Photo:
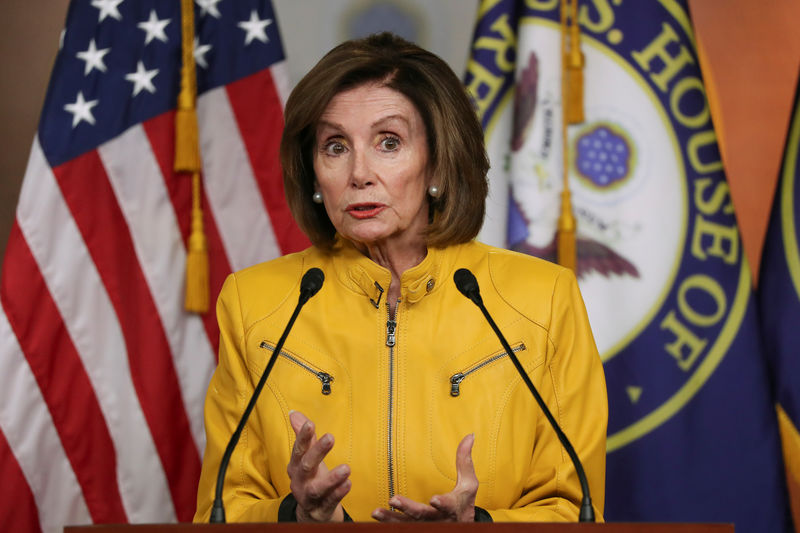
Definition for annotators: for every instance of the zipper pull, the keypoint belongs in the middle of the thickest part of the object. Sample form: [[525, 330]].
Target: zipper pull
[[390, 327], [326, 380], [455, 382]]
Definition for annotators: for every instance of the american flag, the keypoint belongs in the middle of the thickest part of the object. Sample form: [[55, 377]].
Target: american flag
[[102, 372]]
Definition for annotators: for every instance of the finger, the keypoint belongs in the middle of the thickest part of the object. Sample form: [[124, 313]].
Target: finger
[[319, 496], [318, 489], [467, 480], [413, 509], [316, 453], [459, 504], [306, 437], [324, 512], [304, 441], [446, 504], [322, 502], [336, 493], [385, 515], [297, 419], [453, 506]]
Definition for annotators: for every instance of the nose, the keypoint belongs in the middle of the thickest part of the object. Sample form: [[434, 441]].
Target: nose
[[361, 174]]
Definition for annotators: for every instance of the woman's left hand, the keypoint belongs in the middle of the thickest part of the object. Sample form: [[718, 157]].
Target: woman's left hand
[[458, 505]]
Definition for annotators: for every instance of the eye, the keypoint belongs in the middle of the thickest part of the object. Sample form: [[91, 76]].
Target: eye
[[390, 144], [334, 148]]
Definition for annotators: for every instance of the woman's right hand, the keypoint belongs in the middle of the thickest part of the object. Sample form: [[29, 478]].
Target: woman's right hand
[[318, 491]]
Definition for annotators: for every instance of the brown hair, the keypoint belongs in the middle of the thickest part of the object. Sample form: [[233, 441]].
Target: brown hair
[[457, 156]]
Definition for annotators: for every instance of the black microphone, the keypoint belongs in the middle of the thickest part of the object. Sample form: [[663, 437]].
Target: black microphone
[[309, 286], [468, 285]]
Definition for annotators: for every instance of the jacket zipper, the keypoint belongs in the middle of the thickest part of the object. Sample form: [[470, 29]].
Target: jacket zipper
[[391, 329], [458, 377], [324, 377]]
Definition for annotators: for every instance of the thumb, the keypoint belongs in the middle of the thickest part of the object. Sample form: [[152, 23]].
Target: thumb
[[467, 479]]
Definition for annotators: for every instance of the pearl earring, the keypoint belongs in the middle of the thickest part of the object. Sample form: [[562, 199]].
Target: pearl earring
[[433, 190], [317, 197]]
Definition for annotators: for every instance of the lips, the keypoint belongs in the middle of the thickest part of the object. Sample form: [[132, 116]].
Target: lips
[[364, 210]]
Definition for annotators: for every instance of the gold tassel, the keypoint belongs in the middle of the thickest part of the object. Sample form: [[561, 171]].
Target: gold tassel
[[567, 249], [565, 242], [187, 160], [575, 70], [197, 256]]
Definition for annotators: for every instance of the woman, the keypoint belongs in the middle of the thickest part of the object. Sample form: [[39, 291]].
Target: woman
[[392, 398]]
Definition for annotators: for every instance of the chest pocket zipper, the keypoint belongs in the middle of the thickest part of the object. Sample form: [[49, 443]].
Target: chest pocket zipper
[[458, 377], [324, 377]]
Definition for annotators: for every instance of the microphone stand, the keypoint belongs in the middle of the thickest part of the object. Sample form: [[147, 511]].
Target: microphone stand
[[468, 286], [310, 284]]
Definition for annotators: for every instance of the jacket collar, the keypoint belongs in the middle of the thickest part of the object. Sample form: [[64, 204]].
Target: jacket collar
[[362, 275]]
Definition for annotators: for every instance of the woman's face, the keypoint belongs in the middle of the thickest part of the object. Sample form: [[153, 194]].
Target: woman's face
[[371, 165]]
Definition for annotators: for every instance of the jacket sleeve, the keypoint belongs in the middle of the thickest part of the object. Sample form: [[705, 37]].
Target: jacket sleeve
[[248, 495], [573, 386]]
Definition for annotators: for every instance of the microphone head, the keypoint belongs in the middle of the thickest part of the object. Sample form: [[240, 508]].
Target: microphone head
[[311, 282], [466, 283]]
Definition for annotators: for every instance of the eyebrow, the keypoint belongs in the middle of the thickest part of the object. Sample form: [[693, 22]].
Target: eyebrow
[[379, 122], [390, 118]]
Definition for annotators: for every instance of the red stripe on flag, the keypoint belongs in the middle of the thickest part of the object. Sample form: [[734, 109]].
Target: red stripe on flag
[[259, 113], [88, 193], [18, 510], [62, 379], [161, 133]]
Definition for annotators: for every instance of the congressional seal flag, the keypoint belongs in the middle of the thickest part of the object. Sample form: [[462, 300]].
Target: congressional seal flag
[[692, 432], [779, 303], [102, 371]]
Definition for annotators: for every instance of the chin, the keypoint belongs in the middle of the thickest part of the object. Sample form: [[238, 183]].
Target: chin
[[368, 233], [368, 239]]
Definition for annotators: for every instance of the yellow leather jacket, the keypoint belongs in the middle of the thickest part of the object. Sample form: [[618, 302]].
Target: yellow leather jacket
[[398, 395]]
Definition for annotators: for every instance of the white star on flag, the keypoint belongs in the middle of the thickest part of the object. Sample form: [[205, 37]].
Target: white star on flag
[[142, 79], [108, 8], [200, 51], [154, 28], [209, 7], [93, 58], [81, 110], [255, 28]]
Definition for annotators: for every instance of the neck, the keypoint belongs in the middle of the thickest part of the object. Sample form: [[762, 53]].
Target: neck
[[396, 258]]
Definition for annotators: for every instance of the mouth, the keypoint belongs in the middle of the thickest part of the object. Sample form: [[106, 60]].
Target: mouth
[[364, 210]]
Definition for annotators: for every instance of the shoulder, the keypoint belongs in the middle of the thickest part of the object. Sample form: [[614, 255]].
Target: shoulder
[[263, 288], [526, 283]]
